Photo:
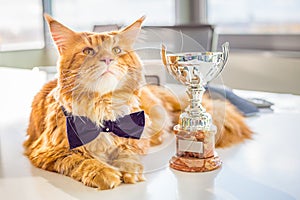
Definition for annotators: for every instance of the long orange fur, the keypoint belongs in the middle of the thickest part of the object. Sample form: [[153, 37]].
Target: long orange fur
[[87, 87]]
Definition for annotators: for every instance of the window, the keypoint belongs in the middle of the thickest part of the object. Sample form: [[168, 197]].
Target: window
[[271, 25], [21, 25], [83, 15], [255, 16]]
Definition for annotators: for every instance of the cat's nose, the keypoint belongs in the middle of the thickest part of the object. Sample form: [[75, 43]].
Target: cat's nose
[[107, 61]]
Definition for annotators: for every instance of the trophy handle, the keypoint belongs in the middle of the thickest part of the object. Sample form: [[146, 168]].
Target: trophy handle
[[170, 64], [164, 54], [225, 49]]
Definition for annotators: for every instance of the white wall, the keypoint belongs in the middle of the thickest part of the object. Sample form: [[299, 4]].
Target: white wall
[[263, 72]]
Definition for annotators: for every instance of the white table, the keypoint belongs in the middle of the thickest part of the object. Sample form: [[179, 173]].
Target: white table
[[267, 167]]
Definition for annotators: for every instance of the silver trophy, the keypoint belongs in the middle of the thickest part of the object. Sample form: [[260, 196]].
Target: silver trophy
[[195, 133]]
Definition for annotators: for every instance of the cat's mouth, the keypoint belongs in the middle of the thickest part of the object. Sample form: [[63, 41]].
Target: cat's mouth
[[108, 72]]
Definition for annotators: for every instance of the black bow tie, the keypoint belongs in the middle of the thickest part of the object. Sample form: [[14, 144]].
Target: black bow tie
[[81, 130]]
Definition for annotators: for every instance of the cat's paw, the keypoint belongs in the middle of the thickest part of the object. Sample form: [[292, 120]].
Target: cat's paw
[[103, 178], [132, 170]]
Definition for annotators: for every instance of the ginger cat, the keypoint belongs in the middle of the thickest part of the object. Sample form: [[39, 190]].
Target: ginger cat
[[101, 78]]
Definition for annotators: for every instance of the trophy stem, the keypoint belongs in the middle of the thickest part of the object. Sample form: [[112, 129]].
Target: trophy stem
[[195, 92], [195, 116]]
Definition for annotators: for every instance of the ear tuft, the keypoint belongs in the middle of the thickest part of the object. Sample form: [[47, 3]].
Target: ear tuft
[[131, 32], [48, 18], [142, 19], [60, 33]]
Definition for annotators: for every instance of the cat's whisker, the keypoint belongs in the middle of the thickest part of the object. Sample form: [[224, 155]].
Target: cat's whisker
[[67, 85], [79, 96], [68, 71], [92, 67], [71, 90], [69, 77], [88, 73], [93, 75], [89, 95], [86, 70]]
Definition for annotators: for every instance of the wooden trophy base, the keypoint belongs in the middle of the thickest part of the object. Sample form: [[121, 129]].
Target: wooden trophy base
[[188, 164]]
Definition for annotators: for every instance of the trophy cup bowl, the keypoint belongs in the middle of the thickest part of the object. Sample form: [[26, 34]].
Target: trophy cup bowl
[[195, 132]]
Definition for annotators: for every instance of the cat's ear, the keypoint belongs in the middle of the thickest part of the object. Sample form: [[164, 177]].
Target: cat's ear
[[131, 32], [60, 33]]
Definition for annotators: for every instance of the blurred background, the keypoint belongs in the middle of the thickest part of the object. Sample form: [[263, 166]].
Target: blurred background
[[264, 35]]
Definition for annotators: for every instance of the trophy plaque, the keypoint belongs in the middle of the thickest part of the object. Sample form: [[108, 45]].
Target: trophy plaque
[[195, 132]]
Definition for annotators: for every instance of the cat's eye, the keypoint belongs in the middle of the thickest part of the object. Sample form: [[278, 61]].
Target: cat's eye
[[88, 51], [116, 50]]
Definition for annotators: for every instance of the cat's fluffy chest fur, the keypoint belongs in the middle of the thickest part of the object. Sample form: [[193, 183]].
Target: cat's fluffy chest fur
[[109, 107]]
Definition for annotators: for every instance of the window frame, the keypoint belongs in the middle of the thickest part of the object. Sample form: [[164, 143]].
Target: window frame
[[187, 12], [244, 42], [276, 42], [261, 42], [46, 5]]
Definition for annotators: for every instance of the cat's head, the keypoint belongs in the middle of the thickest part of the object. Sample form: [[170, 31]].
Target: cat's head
[[96, 62]]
